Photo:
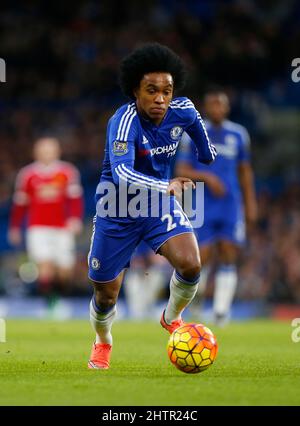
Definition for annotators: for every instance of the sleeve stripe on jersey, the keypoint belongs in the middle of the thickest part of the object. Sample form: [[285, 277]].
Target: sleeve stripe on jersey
[[145, 178], [125, 176], [211, 147], [128, 127], [142, 178], [124, 121], [139, 184], [182, 105], [178, 102], [128, 180], [125, 124]]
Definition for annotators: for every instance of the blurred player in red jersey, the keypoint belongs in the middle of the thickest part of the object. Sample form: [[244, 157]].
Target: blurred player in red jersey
[[49, 194]]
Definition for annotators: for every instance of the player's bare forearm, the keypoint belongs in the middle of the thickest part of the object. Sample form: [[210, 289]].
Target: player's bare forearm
[[189, 172], [210, 179], [247, 187]]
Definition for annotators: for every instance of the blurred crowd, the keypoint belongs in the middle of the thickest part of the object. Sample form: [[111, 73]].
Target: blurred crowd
[[62, 79], [269, 266]]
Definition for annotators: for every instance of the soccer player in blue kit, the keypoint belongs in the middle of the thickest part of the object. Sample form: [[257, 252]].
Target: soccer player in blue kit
[[229, 199], [142, 137]]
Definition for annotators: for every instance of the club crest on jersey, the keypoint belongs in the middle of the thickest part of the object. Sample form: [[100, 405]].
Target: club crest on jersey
[[230, 140], [95, 263], [176, 132], [120, 148]]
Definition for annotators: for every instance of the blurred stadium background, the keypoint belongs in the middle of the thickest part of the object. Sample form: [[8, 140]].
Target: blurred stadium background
[[61, 78]]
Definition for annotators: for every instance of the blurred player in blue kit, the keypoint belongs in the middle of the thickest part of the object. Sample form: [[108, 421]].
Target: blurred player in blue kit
[[142, 138], [229, 201]]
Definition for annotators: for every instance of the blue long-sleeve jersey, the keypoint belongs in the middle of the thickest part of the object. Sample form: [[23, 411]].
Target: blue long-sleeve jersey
[[139, 152]]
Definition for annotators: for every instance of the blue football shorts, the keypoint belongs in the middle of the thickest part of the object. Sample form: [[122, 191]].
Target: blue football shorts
[[222, 225], [115, 239]]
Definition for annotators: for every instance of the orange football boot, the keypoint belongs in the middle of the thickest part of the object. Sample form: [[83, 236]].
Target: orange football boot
[[100, 356], [174, 324]]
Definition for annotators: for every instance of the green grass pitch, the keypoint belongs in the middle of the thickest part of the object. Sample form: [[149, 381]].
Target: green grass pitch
[[45, 363]]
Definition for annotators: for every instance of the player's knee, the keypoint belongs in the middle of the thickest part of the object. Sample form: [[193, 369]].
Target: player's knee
[[105, 300], [191, 271], [190, 268]]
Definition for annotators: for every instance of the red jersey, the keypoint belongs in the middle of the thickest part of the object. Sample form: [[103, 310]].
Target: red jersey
[[48, 195]]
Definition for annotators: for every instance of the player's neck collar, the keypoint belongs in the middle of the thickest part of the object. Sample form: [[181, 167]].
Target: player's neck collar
[[148, 122], [214, 125]]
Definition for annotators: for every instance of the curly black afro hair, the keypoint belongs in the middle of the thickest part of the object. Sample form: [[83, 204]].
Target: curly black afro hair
[[151, 57]]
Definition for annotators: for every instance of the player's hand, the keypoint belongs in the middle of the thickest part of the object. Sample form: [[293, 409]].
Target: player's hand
[[178, 185], [74, 225], [15, 236], [215, 184]]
